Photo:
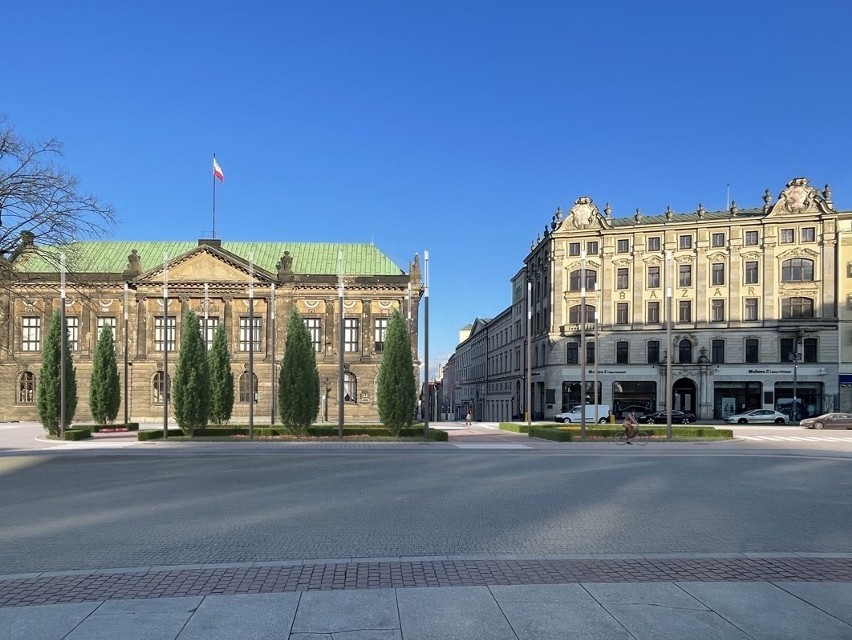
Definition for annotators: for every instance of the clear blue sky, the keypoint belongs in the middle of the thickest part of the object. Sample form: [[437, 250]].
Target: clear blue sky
[[449, 125]]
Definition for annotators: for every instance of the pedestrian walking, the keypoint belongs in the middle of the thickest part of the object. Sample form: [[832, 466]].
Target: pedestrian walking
[[468, 418]]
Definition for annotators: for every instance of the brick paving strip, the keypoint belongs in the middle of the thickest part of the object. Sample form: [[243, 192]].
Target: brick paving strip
[[251, 579]]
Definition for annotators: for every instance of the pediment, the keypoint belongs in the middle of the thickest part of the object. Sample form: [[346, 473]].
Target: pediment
[[207, 264], [583, 216], [800, 198], [798, 252]]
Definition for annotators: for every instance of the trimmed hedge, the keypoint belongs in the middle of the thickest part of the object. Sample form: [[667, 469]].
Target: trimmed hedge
[[653, 431], [514, 427], [115, 426], [77, 433], [157, 434], [550, 433], [317, 431]]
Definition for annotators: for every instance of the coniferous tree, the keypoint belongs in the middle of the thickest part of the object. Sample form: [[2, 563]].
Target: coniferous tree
[[49, 390], [191, 388], [221, 378], [397, 388], [105, 390], [298, 380]]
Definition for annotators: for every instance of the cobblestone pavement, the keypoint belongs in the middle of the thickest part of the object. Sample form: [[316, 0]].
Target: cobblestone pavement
[[278, 578]]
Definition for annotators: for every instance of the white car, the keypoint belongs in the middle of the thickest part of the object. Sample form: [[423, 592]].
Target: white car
[[757, 416]]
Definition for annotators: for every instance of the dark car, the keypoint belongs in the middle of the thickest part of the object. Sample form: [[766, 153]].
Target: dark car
[[659, 417]]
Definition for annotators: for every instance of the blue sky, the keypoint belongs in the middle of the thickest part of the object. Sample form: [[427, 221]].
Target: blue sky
[[453, 126]]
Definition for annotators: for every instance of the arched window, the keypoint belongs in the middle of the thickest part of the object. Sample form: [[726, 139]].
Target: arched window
[[245, 393], [684, 351], [157, 387], [575, 281], [797, 270], [26, 387], [797, 308], [574, 314], [350, 387]]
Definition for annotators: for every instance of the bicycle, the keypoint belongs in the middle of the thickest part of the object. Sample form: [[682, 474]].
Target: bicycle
[[639, 437]]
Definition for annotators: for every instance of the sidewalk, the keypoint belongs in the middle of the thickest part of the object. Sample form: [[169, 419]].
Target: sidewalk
[[696, 597]]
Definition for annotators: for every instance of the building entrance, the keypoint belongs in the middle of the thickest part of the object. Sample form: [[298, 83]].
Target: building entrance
[[683, 395]]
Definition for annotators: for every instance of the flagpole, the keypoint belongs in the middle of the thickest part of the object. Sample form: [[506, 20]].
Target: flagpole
[[214, 199]]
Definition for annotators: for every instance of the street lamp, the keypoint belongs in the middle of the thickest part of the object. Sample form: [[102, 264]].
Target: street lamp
[[426, 340], [528, 384], [597, 322], [165, 346], [583, 345], [669, 345], [62, 346], [796, 357]]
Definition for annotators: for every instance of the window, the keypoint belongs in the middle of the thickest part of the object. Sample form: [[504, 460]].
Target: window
[[797, 270], [717, 311], [575, 280], [380, 330], [809, 234], [621, 313], [106, 321], [684, 311], [797, 308], [159, 334], [787, 349], [622, 353], [684, 351], [245, 392], [809, 350], [250, 339], [752, 346], [351, 328], [751, 238], [653, 277], [30, 333], [73, 324], [623, 246], [314, 326], [590, 352], [157, 386], [684, 275], [750, 309], [717, 351], [751, 273], [717, 240], [350, 387], [573, 353], [718, 273], [653, 313], [26, 387], [653, 243], [787, 236], [574, 314], [573, 248], [592, 248], [622, 278], [685, 242], [653, 352], [212, 325]]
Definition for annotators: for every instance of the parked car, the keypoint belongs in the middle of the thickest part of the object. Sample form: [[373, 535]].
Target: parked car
[[660, 417], [829, 421], [637, 410], [757, 416], [576, 414]]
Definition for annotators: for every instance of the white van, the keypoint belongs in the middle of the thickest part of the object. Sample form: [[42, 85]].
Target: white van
[[576, 414]]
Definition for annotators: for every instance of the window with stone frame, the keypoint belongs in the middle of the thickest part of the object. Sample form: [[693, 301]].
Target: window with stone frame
[[160, 334], [653, 316], [73, 324], [250, 339], [653, 277], [575, 280], [684, 275], [792, 308], [685, 242], [622, 352], [797, 270], [26, 388], [314, 326], [245, 391], [717, 310], [751, 309], [809, 350], [718, 273], [574, 314], [106, 321], [653, 350], [30, 333], [622, 246], [787, 236], [573, 248], [717, 351], [653, 243], [717, 240], [572, 353], [684, 311], [684, 351], [590, 352], [380, 330], [592, 247], [752, 238], [157, 387], [351, 335], [350, 387], [622, 313], [212, 323], [808, 234], [752, 350], [622, 278], [752, 272]]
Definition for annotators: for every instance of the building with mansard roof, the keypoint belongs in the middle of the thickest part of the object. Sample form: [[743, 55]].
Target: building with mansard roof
[[120, 285]]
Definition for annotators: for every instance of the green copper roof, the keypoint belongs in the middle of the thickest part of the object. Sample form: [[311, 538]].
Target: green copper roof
[[314, 258]]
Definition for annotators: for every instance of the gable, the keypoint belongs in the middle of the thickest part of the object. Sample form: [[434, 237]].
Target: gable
[[204, 264]]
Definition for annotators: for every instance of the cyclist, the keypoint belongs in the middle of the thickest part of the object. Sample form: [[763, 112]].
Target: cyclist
[[629, 424]]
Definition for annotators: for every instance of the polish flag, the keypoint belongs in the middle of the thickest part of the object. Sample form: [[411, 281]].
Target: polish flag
[[217, 171]]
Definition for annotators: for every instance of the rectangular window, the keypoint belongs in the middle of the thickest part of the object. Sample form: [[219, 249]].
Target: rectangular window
[[653, 277], [684, 275], [106, 321], [792, 308], [250, 339], [592, 248], [653, 313], [30, 333], [623, 246], [750, 309], [718, 273], [788, 236], [621, 313], [622, 278], [717, 240], [380, 329], [751, 272], [314, 326], [73, 324], [653, 352], [752, 350], [159, 334], [653, 243], [788, 349], [622, 352], [809, 350], [717, 351], [590, 353], [685, 242], [573, 248], [809, 234], [751, 238], [351, 330], [717, 311], [573, 353], [210, 332], [684, 311]]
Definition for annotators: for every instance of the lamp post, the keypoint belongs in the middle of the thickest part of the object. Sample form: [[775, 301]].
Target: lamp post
[[272, 333], [528, 385], [583, 345], [340, 345], [165, 347], [597, 322], [251, 347], [796, 355], [426, 343], [126, 362], [63, 342], [669, 354]]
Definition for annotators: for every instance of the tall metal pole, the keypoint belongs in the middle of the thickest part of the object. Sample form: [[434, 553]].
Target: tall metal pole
[[206, 312], [670, 347], [126, 362], [272, 318], [165, 347], [795, 380], [583, 345], [340, 345], [597, 321], [426, 346], [251, 347], [528, 385], [63, 345]]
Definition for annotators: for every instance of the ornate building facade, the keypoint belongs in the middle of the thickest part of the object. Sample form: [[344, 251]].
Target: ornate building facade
[[250, 288]]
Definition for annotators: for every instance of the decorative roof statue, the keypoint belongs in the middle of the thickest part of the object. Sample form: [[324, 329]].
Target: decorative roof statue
[[767, 201], [701, 211], [669, 212]]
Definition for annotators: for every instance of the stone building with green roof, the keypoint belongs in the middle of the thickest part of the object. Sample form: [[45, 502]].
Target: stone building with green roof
[[120, 284]]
